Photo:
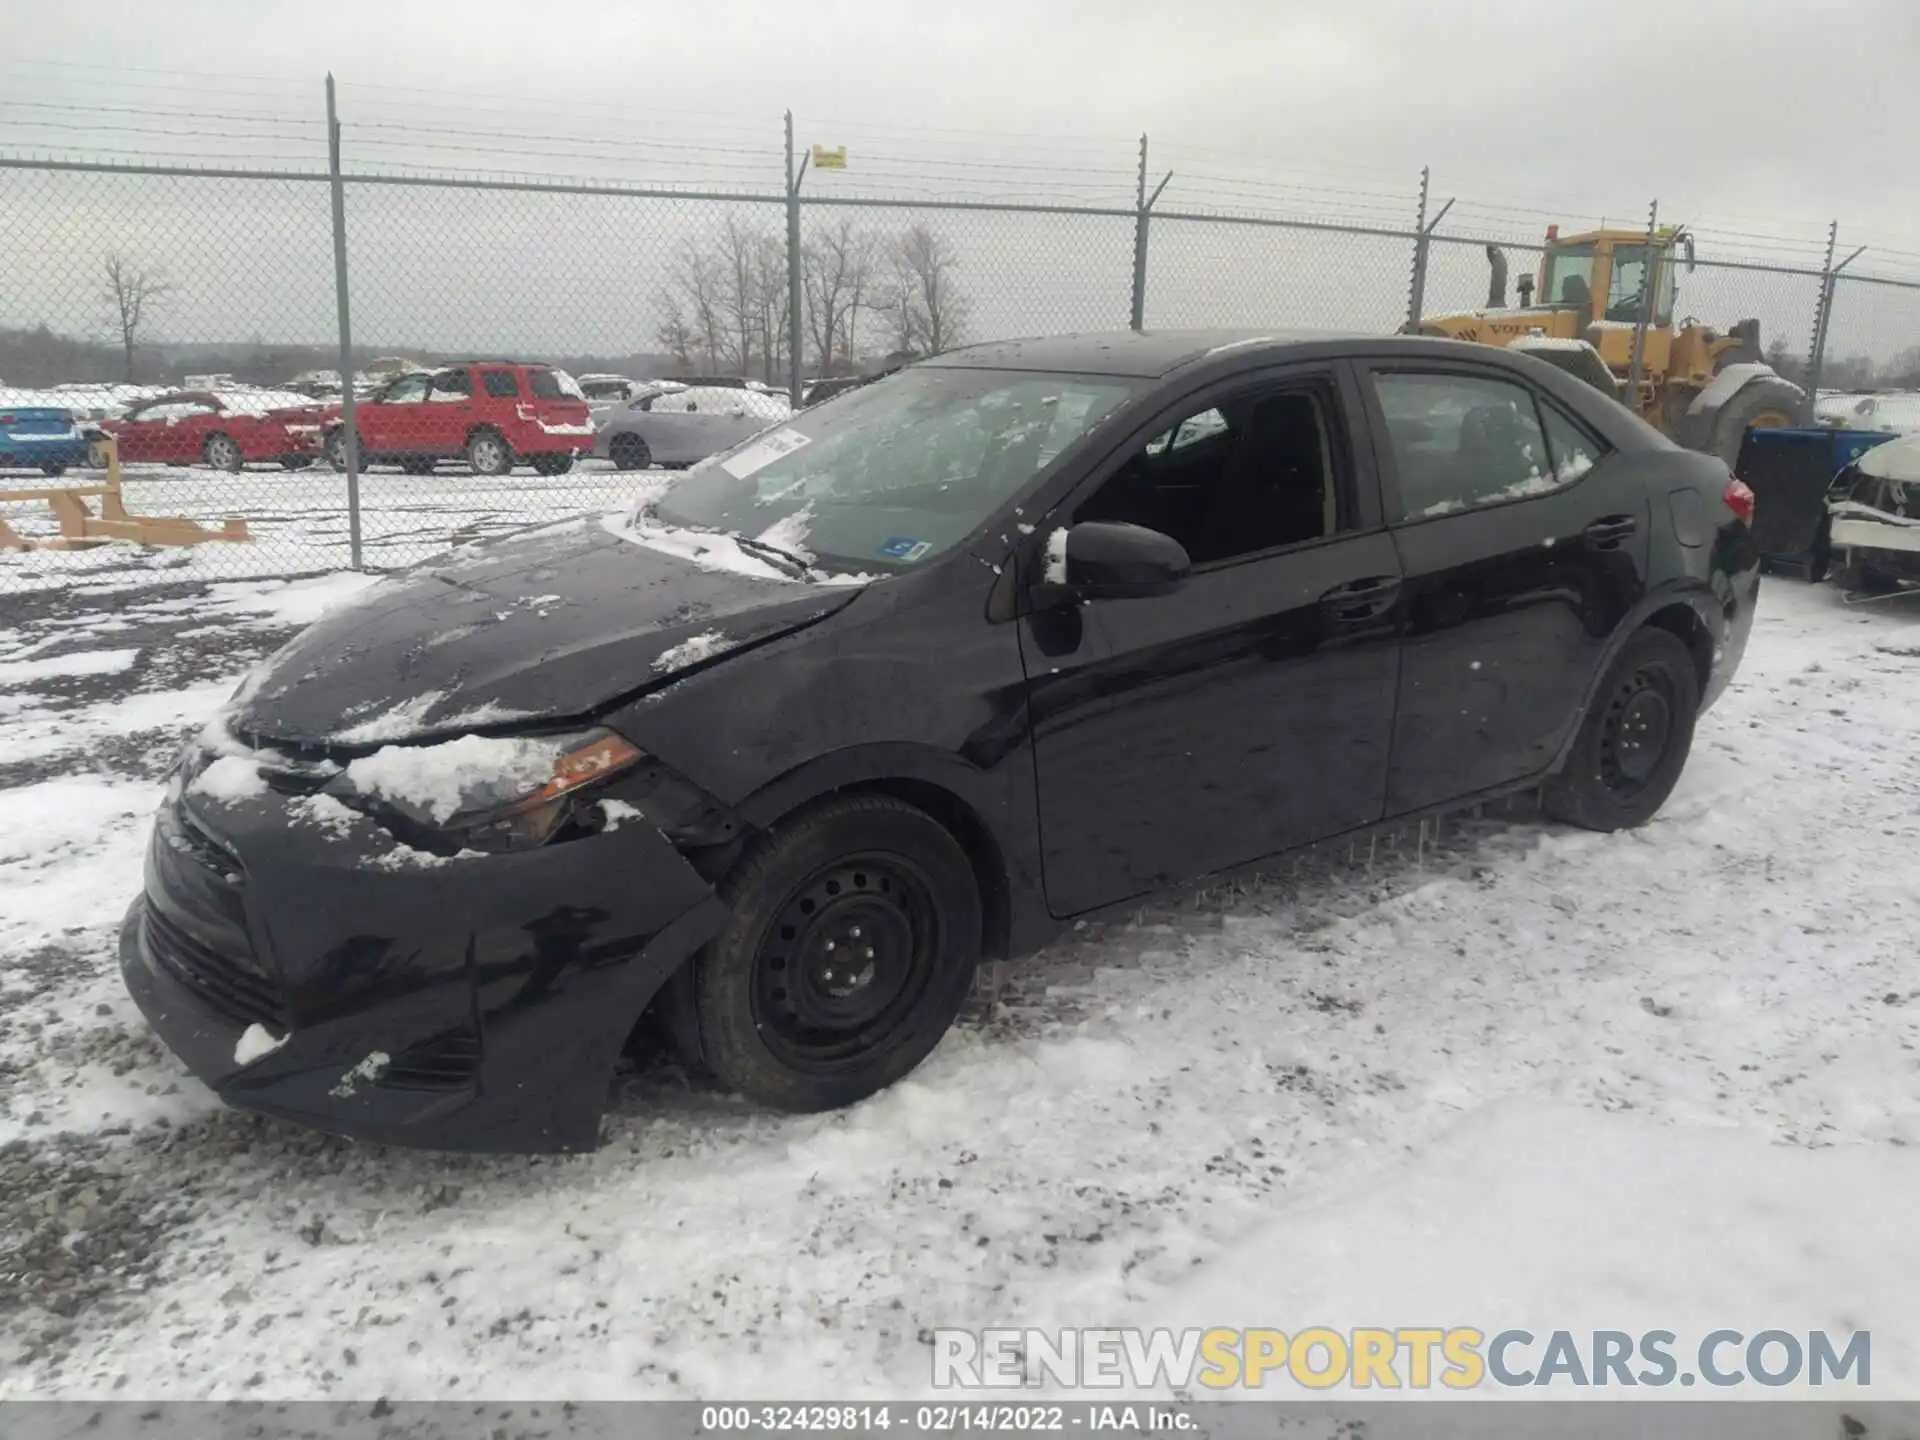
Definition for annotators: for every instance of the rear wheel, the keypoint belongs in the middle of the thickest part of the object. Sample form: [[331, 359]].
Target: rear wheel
[[629, 452], [1768, 404], [488, 453], [1634, 740], [222, 452], [853, 939], [553, 464], [54, 469]]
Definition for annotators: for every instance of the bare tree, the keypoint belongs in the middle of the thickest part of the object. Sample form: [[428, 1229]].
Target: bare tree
[[742, 305], [925, 265], [770, 287], [695, 303], [837, 274], [133, 293], [679, 337]]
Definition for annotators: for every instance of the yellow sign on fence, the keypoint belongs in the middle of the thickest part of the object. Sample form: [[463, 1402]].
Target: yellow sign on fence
[[825, 159]]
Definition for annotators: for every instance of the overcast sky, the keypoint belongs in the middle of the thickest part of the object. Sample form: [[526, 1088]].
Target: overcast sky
[[1757, 120], [1776, 110]]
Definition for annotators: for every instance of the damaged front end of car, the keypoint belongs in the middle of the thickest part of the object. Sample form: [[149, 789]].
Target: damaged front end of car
[[442, 944]]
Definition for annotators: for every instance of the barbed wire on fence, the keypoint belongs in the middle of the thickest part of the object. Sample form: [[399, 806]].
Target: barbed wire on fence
[[620, 241]]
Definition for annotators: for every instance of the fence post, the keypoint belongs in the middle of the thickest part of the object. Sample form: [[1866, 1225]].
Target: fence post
[[1143, 205], [1417, 290], [1643, 314], [1817, 342], [796, 292], [1422, 247], [349, 434]]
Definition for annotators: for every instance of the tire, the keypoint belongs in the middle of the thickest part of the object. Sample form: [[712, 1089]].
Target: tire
[[416, 466], [1618, 775], [1763, 404], [629, 452], [488, 453], [222, 452], [53, 469], [296, 462], [553, 464], [773, 1017], [335, 451]]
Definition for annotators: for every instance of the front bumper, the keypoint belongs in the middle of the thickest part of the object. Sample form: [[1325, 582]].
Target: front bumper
[[469, 1004]]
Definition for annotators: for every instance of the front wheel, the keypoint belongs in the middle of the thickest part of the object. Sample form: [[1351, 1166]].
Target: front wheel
[[853, 940], [553, 464], [53, 469], [488, 454], [1634, 741], [222, 452]]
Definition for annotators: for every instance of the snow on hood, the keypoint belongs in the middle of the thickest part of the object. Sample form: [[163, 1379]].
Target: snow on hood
[[1895, 460], [552, 624]]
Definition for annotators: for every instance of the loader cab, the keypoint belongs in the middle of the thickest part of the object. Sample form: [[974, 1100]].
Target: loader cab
[[1602, 275]]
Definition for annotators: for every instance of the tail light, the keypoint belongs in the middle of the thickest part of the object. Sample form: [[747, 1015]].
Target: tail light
[[6, 419], [1739, 498]]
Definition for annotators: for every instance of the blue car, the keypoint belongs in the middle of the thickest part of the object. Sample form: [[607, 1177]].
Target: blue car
[[41, 437]]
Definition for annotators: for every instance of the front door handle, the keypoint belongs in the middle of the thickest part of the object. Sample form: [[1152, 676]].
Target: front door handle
[[1359, 600], [1608, 532]]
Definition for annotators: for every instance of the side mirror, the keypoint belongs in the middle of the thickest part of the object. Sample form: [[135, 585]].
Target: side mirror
[[1112, 560]]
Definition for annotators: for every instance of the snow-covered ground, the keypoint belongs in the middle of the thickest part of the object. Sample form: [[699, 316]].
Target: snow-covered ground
[[299, 521], [1532, 1077]]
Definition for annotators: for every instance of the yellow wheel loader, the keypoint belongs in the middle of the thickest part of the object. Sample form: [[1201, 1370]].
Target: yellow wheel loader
[[1703, 389]]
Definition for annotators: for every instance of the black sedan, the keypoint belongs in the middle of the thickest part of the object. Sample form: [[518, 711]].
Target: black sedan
[[1025, 631]]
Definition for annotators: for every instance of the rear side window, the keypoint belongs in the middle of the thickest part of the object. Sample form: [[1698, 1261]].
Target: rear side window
[[554, 385], [451, 385], [501, 384], [1574, 451], [1462, 441]]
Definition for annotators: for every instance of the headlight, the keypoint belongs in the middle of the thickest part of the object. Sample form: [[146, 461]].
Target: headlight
[[486, 792]]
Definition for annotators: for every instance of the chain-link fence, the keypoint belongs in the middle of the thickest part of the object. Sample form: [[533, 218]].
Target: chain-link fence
[[516, 350]]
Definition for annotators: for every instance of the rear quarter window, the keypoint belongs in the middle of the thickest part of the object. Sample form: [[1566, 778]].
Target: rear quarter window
[[501, 384]]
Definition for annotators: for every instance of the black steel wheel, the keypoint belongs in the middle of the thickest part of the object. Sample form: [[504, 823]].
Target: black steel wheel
[[853, 939], [1635, 738]]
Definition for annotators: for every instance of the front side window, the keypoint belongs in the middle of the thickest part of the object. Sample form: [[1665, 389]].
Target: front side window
[[451, 385], [1254, 471], [891, 475], [405, 392], [1627, 287], [1463, 441]]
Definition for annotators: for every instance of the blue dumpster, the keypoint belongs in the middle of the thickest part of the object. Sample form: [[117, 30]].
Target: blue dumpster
[[1789, 472]]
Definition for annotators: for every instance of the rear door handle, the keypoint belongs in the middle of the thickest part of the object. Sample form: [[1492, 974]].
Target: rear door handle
[[1361, 599], [1609, 531]]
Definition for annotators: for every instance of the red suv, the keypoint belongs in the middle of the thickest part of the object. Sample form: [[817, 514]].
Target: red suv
[[491, 414]]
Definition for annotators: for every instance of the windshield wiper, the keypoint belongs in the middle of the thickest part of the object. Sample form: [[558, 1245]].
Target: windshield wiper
[[797, 565]]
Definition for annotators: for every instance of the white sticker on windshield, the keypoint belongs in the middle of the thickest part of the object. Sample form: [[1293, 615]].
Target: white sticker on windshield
[[763, 452]]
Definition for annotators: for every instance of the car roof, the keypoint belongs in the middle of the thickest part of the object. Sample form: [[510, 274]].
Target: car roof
[[1144, 353], [1152, 354]]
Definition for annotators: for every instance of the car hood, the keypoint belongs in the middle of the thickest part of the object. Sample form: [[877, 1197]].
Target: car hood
[[548, 625]]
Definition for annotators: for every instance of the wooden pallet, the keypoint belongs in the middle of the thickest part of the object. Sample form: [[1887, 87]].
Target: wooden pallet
[[82, 529]]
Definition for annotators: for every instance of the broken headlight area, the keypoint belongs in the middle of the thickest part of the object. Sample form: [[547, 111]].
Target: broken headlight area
[[491, 794]]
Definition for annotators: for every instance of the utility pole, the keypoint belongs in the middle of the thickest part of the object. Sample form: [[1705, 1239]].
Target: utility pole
[[350, 435]]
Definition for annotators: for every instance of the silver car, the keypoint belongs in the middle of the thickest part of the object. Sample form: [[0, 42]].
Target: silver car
[[685, 426]]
